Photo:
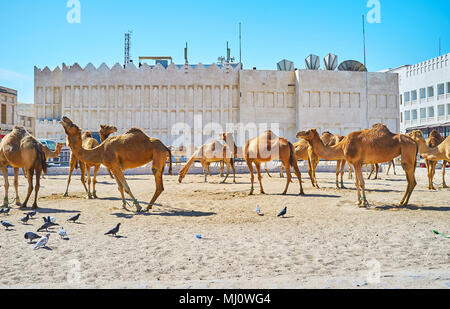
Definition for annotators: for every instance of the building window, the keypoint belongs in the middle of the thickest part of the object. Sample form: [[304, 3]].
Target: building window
[[407, 115], [414, 95], [414, 114], [448, 109], [441, 110], [440, 89], [3, 113], [423, 93], [431, 92], [430, 112], [401, 117], [406, 95], [423, 113], [401, 99], [448, 87]]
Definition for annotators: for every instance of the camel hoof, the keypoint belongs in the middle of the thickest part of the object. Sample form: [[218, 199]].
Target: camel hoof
[[34, 207], [302, 193], [445, 186], [19, 204], [284, 193]]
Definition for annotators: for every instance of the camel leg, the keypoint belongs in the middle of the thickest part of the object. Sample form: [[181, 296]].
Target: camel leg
[[372, 169], [267, 171], [393, 165], [110, 174], [389, 168], [16, 186], [233, 166], [222, 168], [71, 168], [158, 169], [94, 181], [281, 171], [205, 167], [350, 171], [377, 168], [310, 173], [5, 177], [444, 165], [343, 162], [84, 168], [315, 163], [358, 175], [118, 173], [258, 170], [409, 168], [362, 185], [88, 170], [120, 188], [30, 174], [252, 175], [429, 174], [432, 173], [338, 170], [228, 170], [37, 187]]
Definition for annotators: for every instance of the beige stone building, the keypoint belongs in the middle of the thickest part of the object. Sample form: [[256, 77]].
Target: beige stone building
[[161, 101], [25, 116], [8, 104]]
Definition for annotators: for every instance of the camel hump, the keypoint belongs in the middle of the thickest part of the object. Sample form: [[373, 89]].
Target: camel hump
[[434, 139], [270, 134], [134, 130]]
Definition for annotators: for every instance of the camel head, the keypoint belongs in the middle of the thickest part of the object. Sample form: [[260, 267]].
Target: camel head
[[87, 134], [226, 137], [417, 136], [308, 135], [106, 130], [70, 128], [60, 146]]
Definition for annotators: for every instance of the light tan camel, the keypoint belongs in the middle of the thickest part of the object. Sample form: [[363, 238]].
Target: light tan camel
[[118, 153], [214, 151], [266, 148], [375, 145], [88, 142], [432, 154], [329, 140], [49, 154], [434, 140], [105, 132], [19, 149]]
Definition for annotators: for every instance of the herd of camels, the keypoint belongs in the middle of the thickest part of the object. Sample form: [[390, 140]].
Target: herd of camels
[[373, 146]]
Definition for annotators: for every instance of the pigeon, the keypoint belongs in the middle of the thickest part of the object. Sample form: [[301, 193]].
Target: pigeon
[[114, 231], [62, 232], [258, 211], [6, 211], [32, 214], [42, 242], [75, 218], [46, 225], [49, 219], [7, 225], [25, 220], [1, 211], [283, 212], [31, 236]]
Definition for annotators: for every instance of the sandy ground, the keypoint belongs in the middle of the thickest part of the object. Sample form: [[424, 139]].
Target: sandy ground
[[325, 241]]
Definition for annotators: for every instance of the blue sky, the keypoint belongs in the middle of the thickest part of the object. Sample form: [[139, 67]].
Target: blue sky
[[37, 33]]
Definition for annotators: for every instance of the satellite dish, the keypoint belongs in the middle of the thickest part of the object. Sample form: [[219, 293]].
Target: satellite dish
[[331, 62], [285, 65], [312, 62], [352, 65]]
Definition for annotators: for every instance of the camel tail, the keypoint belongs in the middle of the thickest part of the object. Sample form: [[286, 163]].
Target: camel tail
[[170, 161], [42, 159], [293, 158]]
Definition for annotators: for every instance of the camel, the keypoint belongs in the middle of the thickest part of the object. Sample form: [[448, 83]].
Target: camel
[[376, 167], [214, 151], [49, 154], [440, 151], [88, 142], [105, 132], [268, 147], [392, 163], [375, 145], [19, 149], [118, 153]]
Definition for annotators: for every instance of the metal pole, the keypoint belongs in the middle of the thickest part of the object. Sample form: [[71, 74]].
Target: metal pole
[[240, 45]]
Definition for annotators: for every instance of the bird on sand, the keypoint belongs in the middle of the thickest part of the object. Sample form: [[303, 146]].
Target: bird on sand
[[7, 225], [31, 236], [75, 218], [283, 212], [46, 225], [114, 231], [6, 211], [258, 211], [42, 242], [49, 219], [25, 220], [62, 232], [31, 214]]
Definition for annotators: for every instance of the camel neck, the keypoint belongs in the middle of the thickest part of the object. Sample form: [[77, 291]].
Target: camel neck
[[90, 156], [328, 153], [430, 153]]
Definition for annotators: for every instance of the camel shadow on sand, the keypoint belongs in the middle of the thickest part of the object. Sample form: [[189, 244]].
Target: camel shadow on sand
[[411, 207], [166, 213]]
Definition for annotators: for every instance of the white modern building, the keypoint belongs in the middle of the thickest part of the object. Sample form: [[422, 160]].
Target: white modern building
[[425, 95], [158, 99]]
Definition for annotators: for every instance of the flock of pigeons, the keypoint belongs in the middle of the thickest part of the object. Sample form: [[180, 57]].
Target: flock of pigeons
[[49, 222]]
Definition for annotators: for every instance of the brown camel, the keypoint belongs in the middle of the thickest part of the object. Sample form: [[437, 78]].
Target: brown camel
[[19, 149], [375, 145], [49, 154], [105, 132], [214, 151], [88, 142], [118, 153], [266, 148], [440, 151]]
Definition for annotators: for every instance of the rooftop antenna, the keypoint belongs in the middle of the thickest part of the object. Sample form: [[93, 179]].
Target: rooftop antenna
[[228, 53], [440, 46], [240, 45], [186, 54], [127, 58], [364, 40]]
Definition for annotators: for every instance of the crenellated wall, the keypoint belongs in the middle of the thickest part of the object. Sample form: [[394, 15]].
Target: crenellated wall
[[155, 99]]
